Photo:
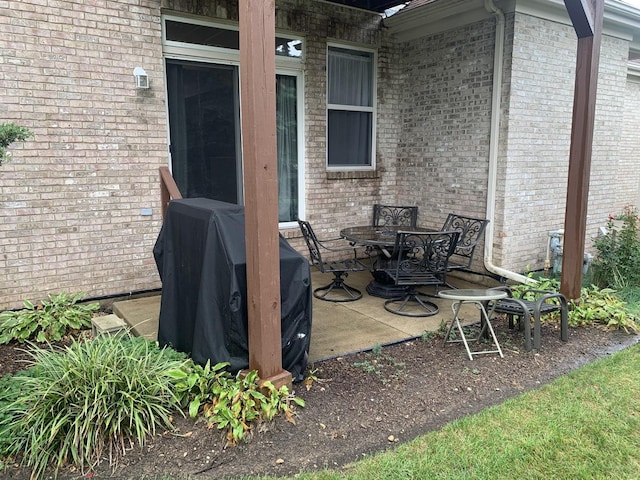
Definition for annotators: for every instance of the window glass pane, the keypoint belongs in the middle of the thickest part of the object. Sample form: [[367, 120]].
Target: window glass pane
[[287, 143], [224, 38], [202, 35], [350, 77], [349, 138], [286, 47]]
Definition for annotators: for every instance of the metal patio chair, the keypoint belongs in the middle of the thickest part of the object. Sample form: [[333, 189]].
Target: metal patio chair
[[419, 259], [533, 303], [337, 290], [406, 216], [471, 230]]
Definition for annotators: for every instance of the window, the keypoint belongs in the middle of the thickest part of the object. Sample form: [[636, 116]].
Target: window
[[202, 67], [350, 111]]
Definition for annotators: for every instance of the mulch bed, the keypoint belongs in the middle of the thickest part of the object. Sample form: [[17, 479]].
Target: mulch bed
[[358, 405]]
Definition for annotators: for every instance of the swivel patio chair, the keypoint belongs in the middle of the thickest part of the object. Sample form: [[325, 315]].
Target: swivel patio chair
[[418, 260], [336, 290], [533, 303], [404, 216]]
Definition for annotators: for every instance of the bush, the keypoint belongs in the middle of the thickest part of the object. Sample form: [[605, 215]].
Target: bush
[[51, 321], [9, 133], [617, 262], [86, 401], [230, 403], [599, 306]]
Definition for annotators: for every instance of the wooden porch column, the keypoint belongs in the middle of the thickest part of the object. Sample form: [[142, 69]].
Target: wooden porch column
[[258, 112], [587, 18]]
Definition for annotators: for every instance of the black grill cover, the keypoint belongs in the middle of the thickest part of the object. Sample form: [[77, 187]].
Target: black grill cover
[[201, 259]]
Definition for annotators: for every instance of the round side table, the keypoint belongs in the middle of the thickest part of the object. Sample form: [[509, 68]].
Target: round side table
[[478, 297]]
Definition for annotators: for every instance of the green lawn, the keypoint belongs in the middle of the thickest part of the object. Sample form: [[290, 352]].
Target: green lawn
[[585, 425]]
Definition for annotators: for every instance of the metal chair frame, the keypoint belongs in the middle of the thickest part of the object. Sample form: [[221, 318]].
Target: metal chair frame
[[340, 268], [405, 216], [546, 302], [419, 259], [471, 230]]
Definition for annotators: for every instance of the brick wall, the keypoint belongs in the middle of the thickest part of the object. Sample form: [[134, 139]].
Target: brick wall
[[446, 108], [444, 144], [538, 135], [71, 198], [629, 152]]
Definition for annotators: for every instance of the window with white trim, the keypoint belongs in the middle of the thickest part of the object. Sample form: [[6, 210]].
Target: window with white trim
[[202, 68], [350, 108]]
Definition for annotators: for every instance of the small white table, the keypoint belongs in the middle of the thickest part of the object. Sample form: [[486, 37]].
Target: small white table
[[478, 297]]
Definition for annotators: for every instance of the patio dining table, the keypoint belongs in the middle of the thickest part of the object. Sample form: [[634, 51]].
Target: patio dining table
[[379, 241]]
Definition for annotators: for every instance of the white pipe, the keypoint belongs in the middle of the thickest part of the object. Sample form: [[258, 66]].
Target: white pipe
[[498, 57]]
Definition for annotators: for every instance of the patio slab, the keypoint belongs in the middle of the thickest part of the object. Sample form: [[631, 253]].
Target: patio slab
[[337, 328]]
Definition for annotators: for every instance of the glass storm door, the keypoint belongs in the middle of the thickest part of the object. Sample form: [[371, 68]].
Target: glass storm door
[[204, 128]]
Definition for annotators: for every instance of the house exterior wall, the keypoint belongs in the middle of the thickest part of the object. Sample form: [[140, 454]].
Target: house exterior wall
[[72, 200], [446, 112], [535, 161], [444, 145], [629, 166]]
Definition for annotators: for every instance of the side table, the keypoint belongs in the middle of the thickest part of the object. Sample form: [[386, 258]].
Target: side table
[[478, 297]]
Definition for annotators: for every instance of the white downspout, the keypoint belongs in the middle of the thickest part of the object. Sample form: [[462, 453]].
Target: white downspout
[[498, 57]]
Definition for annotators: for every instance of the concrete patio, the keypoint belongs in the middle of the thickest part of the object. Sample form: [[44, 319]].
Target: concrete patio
[[337, 328]]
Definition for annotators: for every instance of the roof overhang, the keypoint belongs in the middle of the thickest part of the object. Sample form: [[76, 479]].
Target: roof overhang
[[621, 20], [378, 6]]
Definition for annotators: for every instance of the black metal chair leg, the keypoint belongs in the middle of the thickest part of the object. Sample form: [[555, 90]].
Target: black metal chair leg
[[352, 293]]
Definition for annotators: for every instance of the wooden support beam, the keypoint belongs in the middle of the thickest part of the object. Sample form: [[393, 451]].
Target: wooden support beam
[[581, 13], [258, 103], [584, 107]]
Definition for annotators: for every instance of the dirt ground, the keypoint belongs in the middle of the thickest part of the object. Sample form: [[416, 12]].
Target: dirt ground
[[359, 405]]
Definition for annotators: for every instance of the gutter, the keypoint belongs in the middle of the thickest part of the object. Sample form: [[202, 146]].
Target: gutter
[[491, 7]]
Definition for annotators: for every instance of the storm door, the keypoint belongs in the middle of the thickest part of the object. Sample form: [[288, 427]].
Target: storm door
[[204, 129]]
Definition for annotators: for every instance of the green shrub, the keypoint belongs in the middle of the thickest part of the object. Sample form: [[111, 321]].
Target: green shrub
[[231, 403], [617, 262], [9, 133], [51, 321], [87, 401], [600, 306]]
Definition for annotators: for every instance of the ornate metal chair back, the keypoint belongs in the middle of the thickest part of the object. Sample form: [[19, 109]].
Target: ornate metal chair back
[[405, 216], [470, 231], [423, 258]]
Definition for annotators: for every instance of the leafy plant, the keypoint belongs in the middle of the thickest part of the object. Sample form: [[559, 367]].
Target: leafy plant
[[602, 305], [596, 305], [50, 321], [87, 401], [227, 402], [617, 263], [9, 133]]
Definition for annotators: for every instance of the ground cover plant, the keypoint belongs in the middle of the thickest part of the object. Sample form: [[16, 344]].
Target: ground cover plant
[[51, 320]]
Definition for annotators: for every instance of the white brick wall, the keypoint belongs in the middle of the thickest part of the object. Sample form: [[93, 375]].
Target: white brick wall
[[629, 152], [70, 202]]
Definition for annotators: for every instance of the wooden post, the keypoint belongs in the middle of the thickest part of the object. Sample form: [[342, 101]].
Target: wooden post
[[587, 18], [258, 103]]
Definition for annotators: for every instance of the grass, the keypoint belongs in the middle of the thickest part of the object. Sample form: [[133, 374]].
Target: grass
[[584, 425]]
